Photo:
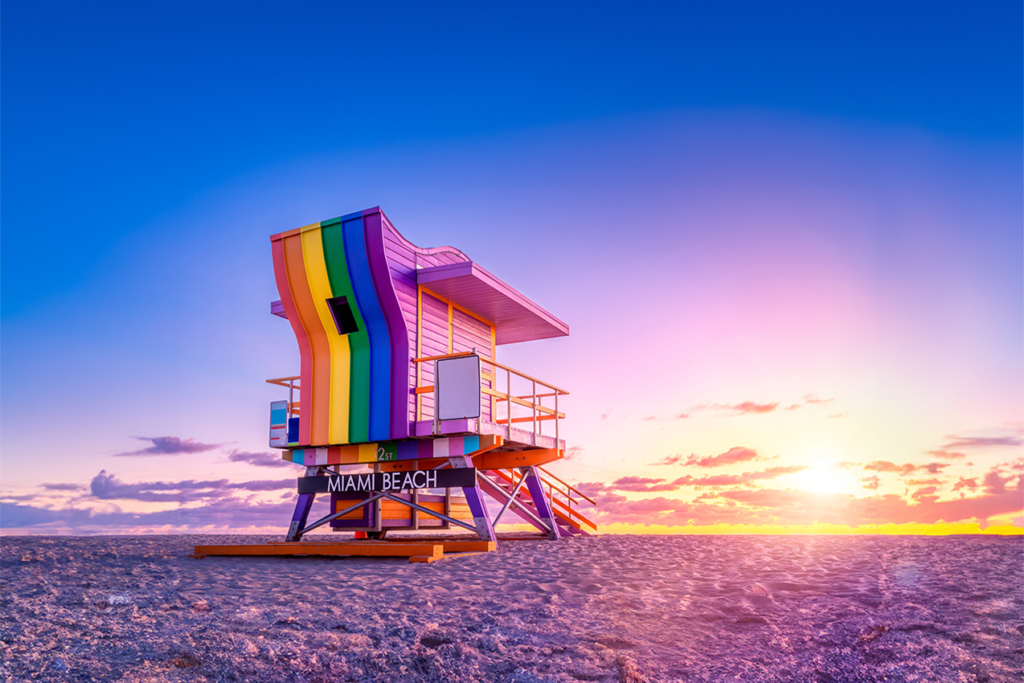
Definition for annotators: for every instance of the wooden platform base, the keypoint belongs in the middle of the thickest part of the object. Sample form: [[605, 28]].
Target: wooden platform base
[[419, 551]]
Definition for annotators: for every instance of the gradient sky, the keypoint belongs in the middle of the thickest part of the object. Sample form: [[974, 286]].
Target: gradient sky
[[788, 243]]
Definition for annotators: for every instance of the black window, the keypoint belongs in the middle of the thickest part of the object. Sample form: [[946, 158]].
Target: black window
[[343, 317]]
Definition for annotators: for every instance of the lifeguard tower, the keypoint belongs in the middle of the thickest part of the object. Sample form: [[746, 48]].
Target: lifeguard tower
[[401, 411]]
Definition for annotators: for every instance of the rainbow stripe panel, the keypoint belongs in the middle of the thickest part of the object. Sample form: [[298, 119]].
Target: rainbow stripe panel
[[336, 290], [386, 451]]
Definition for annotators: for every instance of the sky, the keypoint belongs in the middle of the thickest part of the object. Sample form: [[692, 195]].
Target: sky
[[787, 241]]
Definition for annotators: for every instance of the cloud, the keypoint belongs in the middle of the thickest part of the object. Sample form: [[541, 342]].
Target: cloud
[[641, 484], [733, 455], [947, 455], [835, 416], [261, 459], [668, 460], [1002, 496], [591, 488], [926, 492], [228, 513], [108, 487], [870, 483], [905, 469], [739, 479], [169, 445], [749, 407], [980, 441], [63, 487], [964, 483], [812, 399]]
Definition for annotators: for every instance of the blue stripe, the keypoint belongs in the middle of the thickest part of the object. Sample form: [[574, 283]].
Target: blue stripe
[[376, 326]]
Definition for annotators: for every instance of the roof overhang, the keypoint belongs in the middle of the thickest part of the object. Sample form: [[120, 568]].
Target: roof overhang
[[515, 317]]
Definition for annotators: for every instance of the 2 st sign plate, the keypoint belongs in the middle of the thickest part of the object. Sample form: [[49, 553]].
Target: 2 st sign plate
[[389, 481]]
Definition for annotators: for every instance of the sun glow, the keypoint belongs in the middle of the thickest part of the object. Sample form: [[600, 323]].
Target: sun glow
[[823, 479]]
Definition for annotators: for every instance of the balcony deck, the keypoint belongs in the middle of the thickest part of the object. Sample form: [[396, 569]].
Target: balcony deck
[[515, 439]]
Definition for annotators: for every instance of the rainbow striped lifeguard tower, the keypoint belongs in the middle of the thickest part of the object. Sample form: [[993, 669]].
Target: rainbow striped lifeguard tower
[[400, 411]]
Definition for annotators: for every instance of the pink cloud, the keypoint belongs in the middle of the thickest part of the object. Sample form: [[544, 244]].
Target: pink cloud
[[668, 460], [980, 441], [169, 445], [745, 478], [641, 484], [731, 456], [947, 455], [751, 407], [906, 468]]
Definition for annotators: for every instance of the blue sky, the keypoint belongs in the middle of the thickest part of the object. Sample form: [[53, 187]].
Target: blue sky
[[873, 150]]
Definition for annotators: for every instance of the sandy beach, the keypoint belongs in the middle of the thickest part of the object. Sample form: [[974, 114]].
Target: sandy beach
[[614, 608]]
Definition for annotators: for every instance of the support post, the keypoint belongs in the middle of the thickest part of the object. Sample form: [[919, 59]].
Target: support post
[[475, 500], [302, 507], [540, 501]]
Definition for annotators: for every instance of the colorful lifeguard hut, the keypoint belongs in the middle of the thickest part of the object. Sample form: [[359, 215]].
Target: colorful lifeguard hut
[[400, 411]]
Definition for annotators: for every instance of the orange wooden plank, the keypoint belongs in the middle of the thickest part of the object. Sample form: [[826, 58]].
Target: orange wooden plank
[[323, 549]]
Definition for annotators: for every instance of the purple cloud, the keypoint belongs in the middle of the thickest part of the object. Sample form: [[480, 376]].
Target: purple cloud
[[108, 487], [169, 445], [980, 441], [262, 459]]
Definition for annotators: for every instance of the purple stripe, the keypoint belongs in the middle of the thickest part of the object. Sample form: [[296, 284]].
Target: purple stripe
[[407, 450], [397, 330], [425, 449]]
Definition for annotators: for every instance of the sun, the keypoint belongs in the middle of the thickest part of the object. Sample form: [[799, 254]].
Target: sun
[[824, 478]]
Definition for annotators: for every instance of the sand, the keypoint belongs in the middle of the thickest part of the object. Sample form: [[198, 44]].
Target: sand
[[614, 608]]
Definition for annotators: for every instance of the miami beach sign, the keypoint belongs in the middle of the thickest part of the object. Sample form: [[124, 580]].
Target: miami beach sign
[[389, 481]]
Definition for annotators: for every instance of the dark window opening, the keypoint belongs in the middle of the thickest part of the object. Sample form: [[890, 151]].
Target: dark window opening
[[343, 317]]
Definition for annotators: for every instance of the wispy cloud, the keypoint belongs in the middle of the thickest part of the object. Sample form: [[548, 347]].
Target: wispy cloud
[[225, 513], [956, 441], [747, 407], [733, 455], [259, 459], [906, 468], [739, 479], [641, 484], [947, 455], [169, 445], [870, 483], [63, 487], [108, 487]]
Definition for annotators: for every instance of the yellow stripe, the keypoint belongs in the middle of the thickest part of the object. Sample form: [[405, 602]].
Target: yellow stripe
[[367, 452], [320, 287]]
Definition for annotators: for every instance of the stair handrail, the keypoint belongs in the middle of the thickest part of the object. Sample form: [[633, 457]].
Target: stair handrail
[[568, 486]]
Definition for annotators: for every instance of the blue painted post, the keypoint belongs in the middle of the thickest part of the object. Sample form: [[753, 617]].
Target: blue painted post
[[475, 500], [540, 501], [302, 507]]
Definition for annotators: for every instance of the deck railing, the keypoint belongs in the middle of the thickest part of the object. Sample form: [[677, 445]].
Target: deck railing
[[532, 400], [292, 385]]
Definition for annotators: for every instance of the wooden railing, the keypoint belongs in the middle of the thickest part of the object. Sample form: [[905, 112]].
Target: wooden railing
[[292, 385], [534, 401]]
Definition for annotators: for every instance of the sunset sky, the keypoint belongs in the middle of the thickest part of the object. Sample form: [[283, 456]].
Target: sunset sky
[[787, 241]]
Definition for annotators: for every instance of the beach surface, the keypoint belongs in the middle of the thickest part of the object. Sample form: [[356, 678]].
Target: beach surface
[[611, 608]]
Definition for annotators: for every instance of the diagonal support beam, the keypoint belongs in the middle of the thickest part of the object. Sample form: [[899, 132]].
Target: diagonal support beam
[[302, 507], [512, 497], [540, 501], [475, 500], [538, 522]]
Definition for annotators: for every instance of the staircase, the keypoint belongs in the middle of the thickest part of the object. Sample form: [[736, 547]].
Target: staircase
[[563, 499]]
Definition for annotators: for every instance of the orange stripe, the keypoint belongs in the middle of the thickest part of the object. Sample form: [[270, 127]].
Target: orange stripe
[[305, 352], [319, 411]]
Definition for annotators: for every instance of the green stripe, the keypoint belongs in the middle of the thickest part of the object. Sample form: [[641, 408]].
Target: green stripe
[[359, 342]]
